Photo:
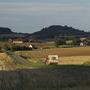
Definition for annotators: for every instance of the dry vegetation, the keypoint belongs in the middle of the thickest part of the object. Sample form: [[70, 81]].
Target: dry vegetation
[[62, 52], [76, 60], [6, 62], [69, 56]]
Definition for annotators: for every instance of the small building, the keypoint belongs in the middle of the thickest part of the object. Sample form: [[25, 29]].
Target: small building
[[85, 43], [17, 41], [81, 44], [69, 42], [52, 59], [30, 46]]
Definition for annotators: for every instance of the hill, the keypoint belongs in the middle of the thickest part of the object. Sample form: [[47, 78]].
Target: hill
[[6, 33], [47, 33], [56, 31], [4, 30]]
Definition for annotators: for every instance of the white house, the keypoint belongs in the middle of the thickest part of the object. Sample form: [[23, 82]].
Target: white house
[[81, 44], [30, 46]]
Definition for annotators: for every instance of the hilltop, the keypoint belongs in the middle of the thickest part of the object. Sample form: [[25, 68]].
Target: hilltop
[[51, 32], [6, 33], [56, 31]]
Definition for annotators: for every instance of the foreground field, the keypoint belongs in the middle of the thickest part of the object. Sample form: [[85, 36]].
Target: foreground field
[[52, 78], [47, 77]]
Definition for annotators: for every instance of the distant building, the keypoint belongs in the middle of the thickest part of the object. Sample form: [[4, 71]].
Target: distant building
[[81, 44], [30, 46], [84, 43], [69, 42], [17, 41]]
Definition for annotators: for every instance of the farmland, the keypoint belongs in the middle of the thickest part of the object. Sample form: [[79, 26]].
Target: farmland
[[48, 77], [67, 56], [62, 52]]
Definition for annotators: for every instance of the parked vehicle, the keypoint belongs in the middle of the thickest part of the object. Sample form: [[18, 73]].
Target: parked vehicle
[[52, 59]]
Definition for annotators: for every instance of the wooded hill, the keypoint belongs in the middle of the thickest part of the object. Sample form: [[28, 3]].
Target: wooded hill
[[56, 31], [5, 30], [51, 32], [6, 33]]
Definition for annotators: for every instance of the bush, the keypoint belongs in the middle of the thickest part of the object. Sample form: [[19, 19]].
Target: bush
[[60, 42], [76, 42]]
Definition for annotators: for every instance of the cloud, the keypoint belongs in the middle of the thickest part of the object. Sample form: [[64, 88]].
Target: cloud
[[38, 9], [33, 15]]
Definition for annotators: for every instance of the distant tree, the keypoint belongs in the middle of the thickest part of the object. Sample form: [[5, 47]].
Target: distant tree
[[5, 30], [59, 42], [76, 42], [54, 31], [6, 46]]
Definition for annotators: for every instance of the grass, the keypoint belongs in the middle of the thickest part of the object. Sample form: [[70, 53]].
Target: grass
[[36, 63], [13, 61], [19, 62], [51, 78], [32, 64]]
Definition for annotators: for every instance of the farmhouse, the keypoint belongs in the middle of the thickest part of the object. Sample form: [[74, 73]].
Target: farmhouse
[[30, 46], [17, 41]]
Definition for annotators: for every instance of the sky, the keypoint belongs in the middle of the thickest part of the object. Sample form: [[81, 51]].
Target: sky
[[32, 15]]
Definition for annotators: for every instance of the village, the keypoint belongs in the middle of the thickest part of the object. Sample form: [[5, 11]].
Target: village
[[22, 44]]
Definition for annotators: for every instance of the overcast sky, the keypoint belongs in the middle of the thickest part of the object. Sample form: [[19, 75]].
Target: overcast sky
[[33, 15]]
